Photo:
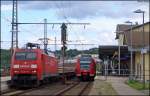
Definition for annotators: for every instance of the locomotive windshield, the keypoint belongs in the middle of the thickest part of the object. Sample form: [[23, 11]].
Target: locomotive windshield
[[25, 56], [85, 63]]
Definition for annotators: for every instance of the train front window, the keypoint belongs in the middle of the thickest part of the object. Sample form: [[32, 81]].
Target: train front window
[[20, 56], [31, 56], [85, 59], [25, 56], [84, 66], [85, 63]]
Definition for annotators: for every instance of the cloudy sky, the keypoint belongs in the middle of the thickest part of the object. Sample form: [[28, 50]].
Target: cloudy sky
[[103, 17]]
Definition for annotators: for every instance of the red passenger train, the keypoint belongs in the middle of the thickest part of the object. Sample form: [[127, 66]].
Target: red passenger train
[[30, 67], [86, 68]]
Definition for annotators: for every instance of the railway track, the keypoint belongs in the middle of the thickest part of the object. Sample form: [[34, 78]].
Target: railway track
[[76, 89], [13, 92], [17, 92], [22, 91], [7, 91]]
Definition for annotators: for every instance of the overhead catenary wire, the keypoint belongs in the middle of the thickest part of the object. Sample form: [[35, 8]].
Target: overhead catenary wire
[[8, 20], [5, 43], [33, 34], [41, 23], [37, 36]]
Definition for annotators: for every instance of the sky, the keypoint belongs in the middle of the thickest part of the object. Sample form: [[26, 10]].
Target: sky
[[103, 17]]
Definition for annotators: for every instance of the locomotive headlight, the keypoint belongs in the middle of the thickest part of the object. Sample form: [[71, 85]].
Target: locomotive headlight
[[33, 66], [16, 66], [34, 71]]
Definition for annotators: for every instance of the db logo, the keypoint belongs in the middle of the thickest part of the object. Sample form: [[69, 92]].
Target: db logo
[[24, 66]]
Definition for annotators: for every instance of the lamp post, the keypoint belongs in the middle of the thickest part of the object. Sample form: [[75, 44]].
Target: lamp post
[[143, 58], [131, 53]]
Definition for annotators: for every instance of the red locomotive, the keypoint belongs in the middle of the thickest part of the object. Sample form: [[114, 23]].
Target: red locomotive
[[30, 67], [86, 68]]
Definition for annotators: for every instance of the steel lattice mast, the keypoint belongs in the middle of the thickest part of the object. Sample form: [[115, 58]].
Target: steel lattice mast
[[14, 41]]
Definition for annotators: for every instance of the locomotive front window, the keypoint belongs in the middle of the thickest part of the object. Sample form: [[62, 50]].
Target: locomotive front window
[[85, 62], [31, 56], [20, 56], [25, 56], [85, 59], [84, 67]]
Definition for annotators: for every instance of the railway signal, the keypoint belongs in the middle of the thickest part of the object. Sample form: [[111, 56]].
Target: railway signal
[[63, 33]]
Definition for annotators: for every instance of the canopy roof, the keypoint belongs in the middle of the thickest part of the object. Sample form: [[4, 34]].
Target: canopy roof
[[109, 51]]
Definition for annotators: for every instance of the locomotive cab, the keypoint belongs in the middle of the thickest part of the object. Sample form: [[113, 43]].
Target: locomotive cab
[[85, 68], [32, 66], [24, 67]]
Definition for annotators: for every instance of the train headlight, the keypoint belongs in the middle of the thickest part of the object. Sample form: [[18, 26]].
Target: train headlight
[[16, 66], [33, 66], [34, 71]]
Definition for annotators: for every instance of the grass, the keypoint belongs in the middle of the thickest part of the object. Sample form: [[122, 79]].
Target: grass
[[138, 85]]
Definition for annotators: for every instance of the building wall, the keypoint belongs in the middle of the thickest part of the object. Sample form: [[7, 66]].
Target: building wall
[[140, 29], [147, 65], [120, 40], [138, 57], [138, 64], [147, 56]]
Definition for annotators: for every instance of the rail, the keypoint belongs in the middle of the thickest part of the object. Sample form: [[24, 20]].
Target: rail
[[15, 92], [82, 90]]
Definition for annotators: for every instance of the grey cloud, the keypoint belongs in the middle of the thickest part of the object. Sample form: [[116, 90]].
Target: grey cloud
[[80, 9], [85, 9], [112, 10]]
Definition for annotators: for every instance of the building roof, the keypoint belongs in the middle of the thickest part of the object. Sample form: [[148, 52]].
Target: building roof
[[110, 50], [137, 26], [125, 27], [121, 28]]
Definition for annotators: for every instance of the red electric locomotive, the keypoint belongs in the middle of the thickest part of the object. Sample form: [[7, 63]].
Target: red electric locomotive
[[30, 67], [85, 68]]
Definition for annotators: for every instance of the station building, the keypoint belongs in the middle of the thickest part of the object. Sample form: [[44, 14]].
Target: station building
[[137, 42]]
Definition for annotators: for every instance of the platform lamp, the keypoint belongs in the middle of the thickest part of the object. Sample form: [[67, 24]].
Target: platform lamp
[[131, 53], [143, 61]]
